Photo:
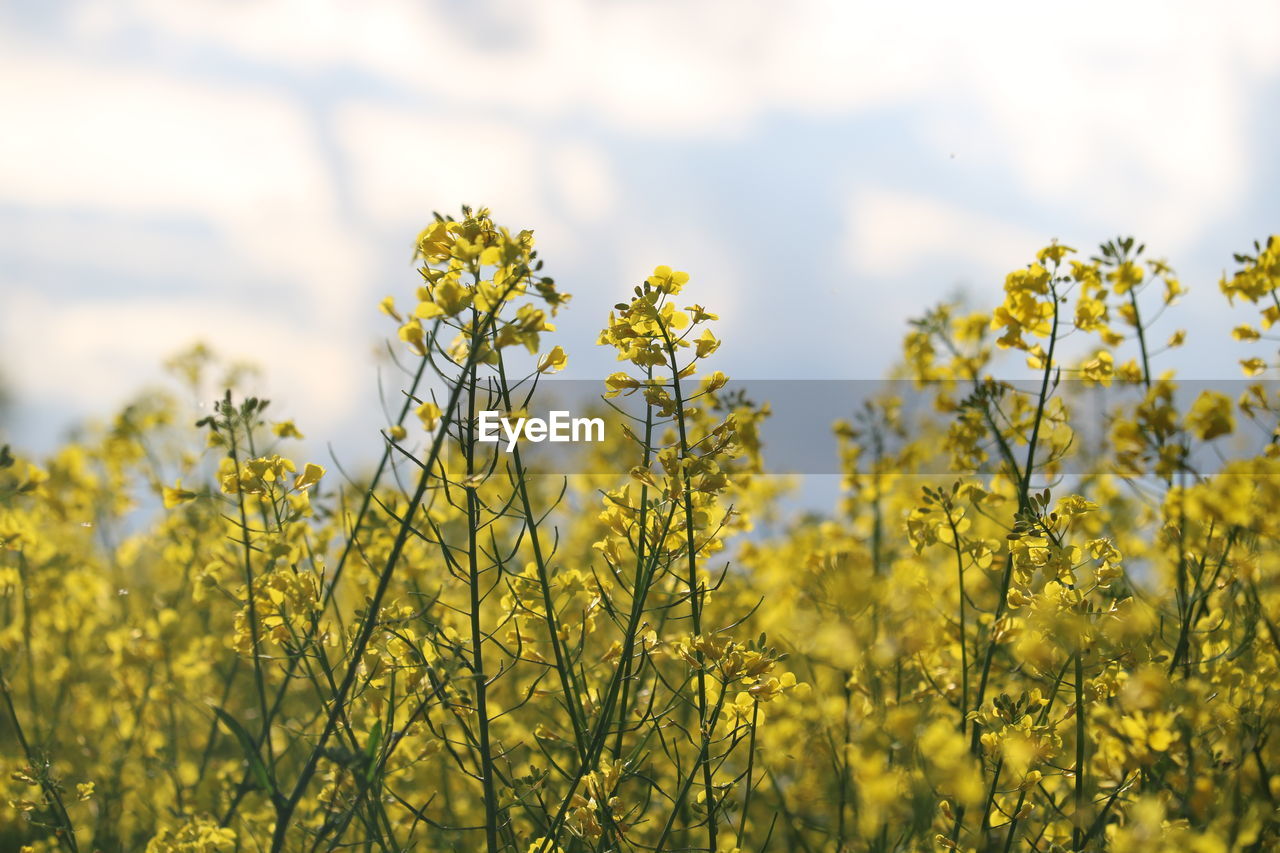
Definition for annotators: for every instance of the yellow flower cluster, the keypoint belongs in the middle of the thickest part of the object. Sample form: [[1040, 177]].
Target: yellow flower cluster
[[1059, 644]]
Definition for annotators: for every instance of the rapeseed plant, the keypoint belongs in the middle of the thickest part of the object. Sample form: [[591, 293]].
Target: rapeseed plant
[[1052, 647]]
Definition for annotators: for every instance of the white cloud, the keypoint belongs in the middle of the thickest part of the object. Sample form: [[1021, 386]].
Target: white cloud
[[92, 353], [141, 148], [1143, 120], [1129, 112], [582, 178], [212, 203], [215, 113], [87, 134], [895, 234], [405, 165]]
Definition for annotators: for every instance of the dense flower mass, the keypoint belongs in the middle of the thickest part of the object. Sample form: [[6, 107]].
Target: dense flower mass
[[210, 644]]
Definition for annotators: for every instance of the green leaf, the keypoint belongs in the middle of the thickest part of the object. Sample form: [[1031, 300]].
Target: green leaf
[[371, 751], [250, 751]]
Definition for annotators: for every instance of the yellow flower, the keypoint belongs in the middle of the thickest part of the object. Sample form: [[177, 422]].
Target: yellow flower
[[706, 344], [1211, 415], [286, 429], [388, 306], [619, 382], [1253, 366], [1098, 369], [553, 361], [436, 240], [1130, 371], [1054, 253], [429, 413], [668, 280], [1075, 505], [413, 334], [449, 296], [311, 474], [175, 495], [1125, 277], [698, 314], [426, 309], [1091, 314]]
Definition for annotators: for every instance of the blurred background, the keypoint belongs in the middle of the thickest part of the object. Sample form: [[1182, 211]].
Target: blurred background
[[252, 173]]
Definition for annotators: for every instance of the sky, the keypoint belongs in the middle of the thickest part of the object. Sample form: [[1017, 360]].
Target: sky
[[252, 173]]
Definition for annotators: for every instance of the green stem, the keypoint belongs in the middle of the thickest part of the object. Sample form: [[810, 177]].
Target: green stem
[[368, 625], [66, 832], [695, 593], [1078, 831], [259, 678], [477, 634], [964, 654], [751, 757]]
